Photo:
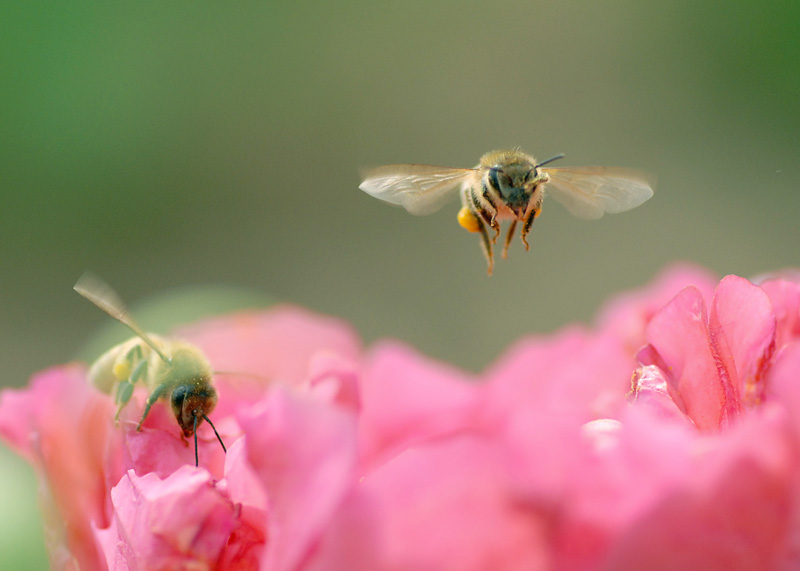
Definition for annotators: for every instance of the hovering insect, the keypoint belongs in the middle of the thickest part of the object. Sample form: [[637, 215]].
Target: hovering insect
[[171, 369], [508, 185]]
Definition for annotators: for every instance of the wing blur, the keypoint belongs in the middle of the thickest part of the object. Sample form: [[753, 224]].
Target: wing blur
[[103, 296], [420, 189], [590, 192]]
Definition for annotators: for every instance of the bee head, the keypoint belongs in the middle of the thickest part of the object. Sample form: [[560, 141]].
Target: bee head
[[191, 402], [515, 182]]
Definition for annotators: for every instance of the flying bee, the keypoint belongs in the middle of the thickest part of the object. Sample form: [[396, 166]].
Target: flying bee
[[508, 185], [171, 369]]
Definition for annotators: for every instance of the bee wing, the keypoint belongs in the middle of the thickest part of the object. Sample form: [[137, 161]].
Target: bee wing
[[420, 189], [103, 296], [590, 192]]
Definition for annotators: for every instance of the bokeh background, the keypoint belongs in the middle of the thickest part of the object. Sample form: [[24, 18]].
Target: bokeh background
[[184, 144]]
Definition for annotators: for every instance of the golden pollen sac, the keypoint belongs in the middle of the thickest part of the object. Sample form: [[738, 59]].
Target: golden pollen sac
[[468, 220], [122, 370]]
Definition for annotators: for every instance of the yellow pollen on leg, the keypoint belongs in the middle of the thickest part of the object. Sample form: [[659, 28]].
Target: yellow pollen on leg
[[122, 370], [468, 220]]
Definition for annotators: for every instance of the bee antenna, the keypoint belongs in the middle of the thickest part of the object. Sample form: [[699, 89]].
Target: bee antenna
[[551, 159], [196, 459], [214, 428]]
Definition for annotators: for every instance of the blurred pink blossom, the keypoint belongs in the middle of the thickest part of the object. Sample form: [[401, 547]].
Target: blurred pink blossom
[[666, 436]]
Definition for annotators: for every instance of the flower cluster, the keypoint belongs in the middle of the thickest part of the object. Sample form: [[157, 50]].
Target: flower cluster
[[666, 436]]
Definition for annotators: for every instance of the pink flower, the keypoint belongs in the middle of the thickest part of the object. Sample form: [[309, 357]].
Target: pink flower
[[716, 363], [116, 498], [664, 437]]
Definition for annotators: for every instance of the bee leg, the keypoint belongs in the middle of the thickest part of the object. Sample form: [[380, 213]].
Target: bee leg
[[509, 236], [486, 245], [526, 227], [154, 396], [495, 226], [124, 393], [483, 206], [472, 221]]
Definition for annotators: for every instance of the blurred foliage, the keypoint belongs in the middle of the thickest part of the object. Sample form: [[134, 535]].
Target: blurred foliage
[[21, 536], [171, 144]]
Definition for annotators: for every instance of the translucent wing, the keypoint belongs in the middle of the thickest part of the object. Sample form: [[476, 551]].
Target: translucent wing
[[590, 192], [420, 189], [103, 296]]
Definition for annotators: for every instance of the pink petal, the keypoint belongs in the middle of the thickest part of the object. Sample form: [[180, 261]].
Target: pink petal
[[304, 454], [651, 392], [179, 522], [664, 496], [540, 449], [353, 538], [731, 510], [785, 298], [260, 348], [699, 382], [601, 433], [742, 327], [444, 505], [242, 484], [245, 543], [783, 381], [626, 315], [612, 482], [64, 428], [573, 372], [407, 399], [336, 380]]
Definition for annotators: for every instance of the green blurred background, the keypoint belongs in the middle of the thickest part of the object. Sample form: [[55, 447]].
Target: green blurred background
[[184, 144]]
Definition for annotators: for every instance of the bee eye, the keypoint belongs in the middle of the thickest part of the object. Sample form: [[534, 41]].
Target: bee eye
[[178, 396]]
